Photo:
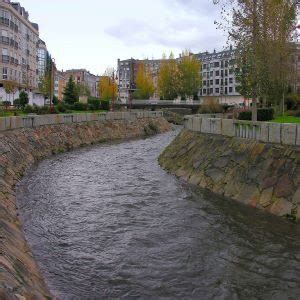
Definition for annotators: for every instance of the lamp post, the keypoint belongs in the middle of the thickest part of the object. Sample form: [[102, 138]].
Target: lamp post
[[114, 78]]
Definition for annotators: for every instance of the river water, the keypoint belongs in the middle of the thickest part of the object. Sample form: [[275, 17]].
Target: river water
[[107, 222]]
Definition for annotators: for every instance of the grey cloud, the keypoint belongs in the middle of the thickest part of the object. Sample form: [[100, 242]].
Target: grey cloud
[[177, 30]]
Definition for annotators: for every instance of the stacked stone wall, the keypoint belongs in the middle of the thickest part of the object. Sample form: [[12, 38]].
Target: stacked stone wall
[[20, 277], [261, 175]]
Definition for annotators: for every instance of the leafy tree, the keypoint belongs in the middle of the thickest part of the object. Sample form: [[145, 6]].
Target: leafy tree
[[23, 99], [10, 87], [46, 84], [144, 83], [70, 92], [261, 30], [83, 89], [189, 76], [168, 80], [107, 87]]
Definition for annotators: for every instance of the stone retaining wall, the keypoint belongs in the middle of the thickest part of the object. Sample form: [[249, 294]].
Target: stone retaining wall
[[20, 277], [285, 134], [262, 175]]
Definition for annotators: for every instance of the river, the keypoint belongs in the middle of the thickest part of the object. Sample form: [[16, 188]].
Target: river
[[107, 222]]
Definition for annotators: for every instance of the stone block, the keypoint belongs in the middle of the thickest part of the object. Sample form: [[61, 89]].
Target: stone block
[[102, 116], [263, 132], [274, 133], [227, 127], [298, 135], [205, 126], [197, 124], [289, 134], [216, 126], [28, 122], [68, 119], [281, 207], [2, 124]]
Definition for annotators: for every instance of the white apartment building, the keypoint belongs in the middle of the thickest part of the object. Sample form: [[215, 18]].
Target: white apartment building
[[19, 52]]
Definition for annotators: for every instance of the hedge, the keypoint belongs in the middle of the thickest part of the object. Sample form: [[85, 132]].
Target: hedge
[[263, 114]]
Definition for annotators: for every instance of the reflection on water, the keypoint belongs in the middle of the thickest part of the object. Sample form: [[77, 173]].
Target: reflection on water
[[106, 221]]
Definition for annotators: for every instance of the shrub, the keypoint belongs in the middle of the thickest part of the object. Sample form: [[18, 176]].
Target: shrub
[[94, 103], [291, 101], [263, 114], [105, 104], [28, 109], [6, 104], [55, 100], [61, 107], [210, 106], [17, 103], [23, 98], [79, 106]]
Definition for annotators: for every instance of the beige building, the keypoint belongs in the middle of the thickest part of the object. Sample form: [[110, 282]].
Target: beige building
[[19, 51], [82, 76]]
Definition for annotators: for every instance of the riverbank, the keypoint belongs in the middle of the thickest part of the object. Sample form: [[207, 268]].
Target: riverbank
[[20, 148], [261, 175]]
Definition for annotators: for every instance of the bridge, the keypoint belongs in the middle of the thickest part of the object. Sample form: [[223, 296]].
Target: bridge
[[157, 104]]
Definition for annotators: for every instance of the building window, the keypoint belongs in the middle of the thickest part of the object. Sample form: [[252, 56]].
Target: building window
[[4, 73], [211, 73], [230, 80], [217, 73], [211, 91], [217, 81], [204, 82], [217, 64], [230, 89], [217, 90], [204, 91], [211, 82]]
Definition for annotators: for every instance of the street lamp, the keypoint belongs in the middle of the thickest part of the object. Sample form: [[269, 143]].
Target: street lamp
[[114, 78]]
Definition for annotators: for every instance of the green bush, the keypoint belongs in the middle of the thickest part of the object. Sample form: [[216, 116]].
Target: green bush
[[55, 100], [61, 107], [263, 114], [79, 106], [292, 101], [28, 109], [105, 104], [94, 103], [17, 103]]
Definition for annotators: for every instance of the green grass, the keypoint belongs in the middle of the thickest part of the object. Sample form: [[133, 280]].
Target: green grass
[[287, 119]]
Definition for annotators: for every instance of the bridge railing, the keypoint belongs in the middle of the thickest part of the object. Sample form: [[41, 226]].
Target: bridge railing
[[287, 134], [32, 121]]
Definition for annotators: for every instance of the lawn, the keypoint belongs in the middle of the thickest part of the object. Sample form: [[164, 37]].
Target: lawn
[[287, 119]]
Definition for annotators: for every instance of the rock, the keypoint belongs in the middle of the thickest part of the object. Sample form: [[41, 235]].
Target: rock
[[296, 198], [222, 162], [266, 197], [281, 207], [248, 195], [215, 174], [284, 187]]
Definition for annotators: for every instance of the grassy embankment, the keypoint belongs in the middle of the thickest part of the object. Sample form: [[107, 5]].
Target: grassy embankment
[[287, 119]]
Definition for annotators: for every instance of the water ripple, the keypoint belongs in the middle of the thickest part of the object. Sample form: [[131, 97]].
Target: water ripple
[[107, 222]]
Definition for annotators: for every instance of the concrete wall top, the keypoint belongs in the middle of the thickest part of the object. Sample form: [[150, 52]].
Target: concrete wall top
[[267, 132], [31, 121]]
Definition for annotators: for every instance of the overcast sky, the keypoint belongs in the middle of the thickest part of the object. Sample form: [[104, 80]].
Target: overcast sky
[[93, 34]]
